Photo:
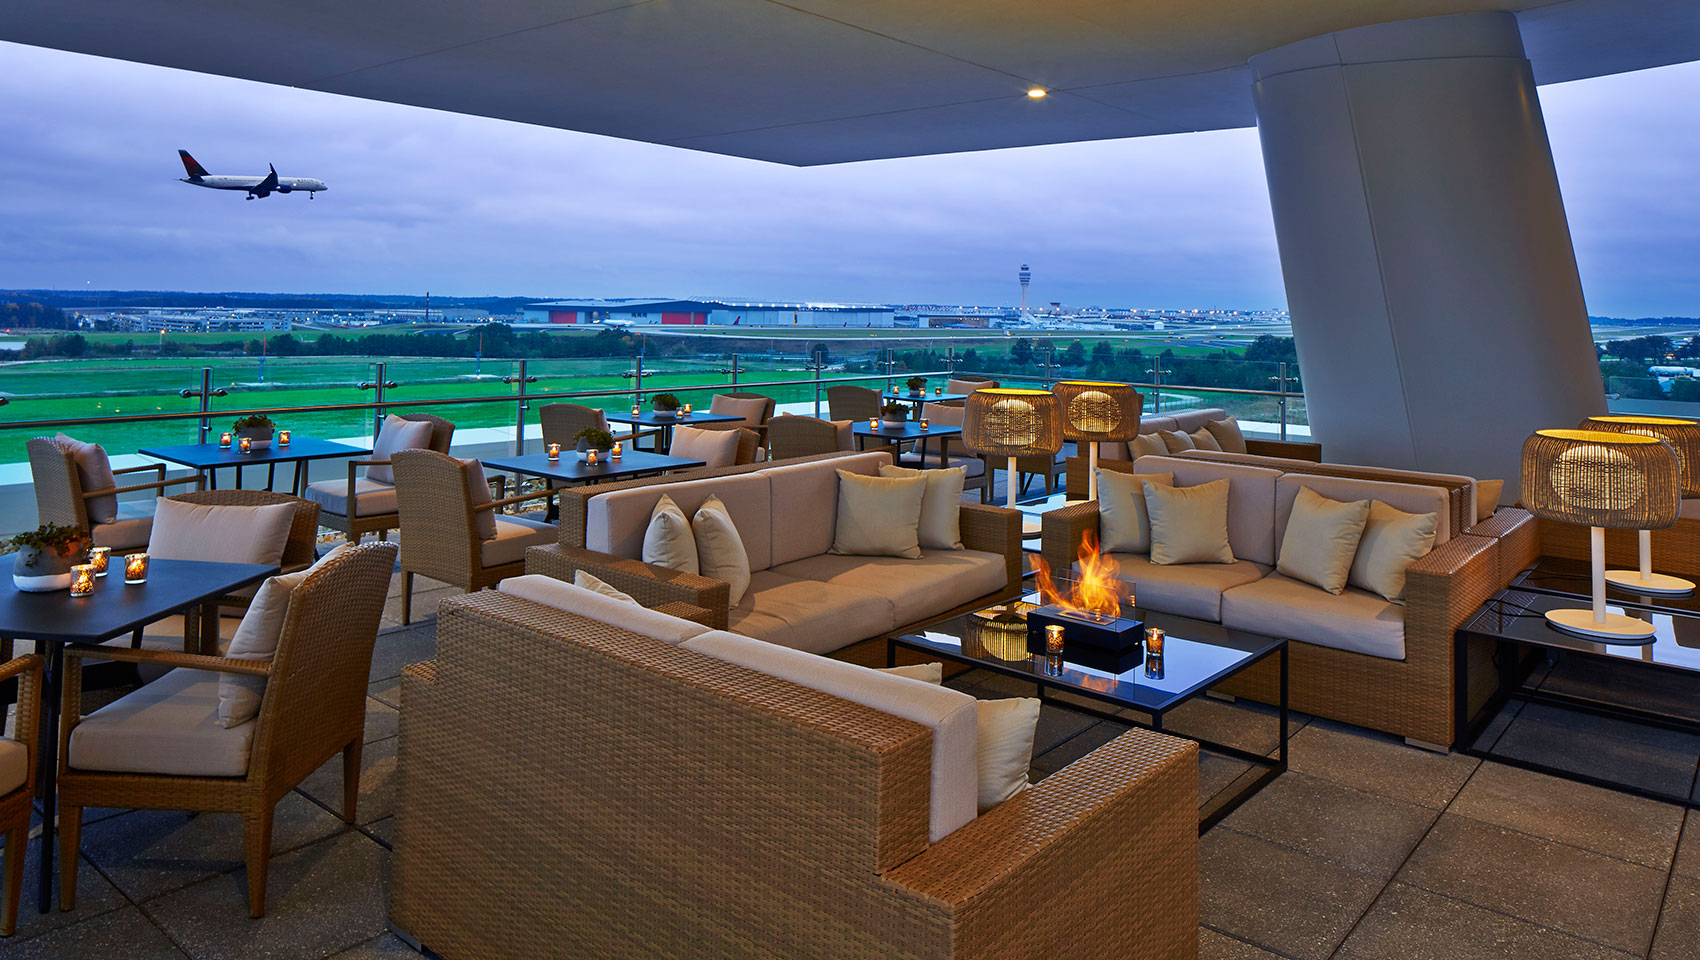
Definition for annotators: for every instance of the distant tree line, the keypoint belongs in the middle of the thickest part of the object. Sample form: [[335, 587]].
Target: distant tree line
[[1249, 370], [15, 315]]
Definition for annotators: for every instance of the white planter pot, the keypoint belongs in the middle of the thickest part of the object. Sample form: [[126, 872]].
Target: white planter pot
[[42, 584]]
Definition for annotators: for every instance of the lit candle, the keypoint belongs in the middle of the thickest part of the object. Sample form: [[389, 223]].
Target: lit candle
[[615, 453], [100, 558], [224, 439], [637, 411], [1054, 639], [246, 445], [590, 456], [938, 391], [873, 423], [283, 438], [687, 409], [82, 579], [1154, 641], [924, 424], [136, 568], [554, 451]]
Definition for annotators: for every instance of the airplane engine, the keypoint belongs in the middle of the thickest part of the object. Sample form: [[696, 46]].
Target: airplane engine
[[284, 189]]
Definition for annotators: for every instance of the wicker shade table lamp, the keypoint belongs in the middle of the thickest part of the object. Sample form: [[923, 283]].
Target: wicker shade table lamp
[[1684, 438], [1094, 412], [1013, 423], [1625, 481]]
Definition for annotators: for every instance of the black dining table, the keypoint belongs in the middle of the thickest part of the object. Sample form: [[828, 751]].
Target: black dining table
[[55, 618], [207, 458], [920, 400], [665, 424], [569, 470], [910, 431]]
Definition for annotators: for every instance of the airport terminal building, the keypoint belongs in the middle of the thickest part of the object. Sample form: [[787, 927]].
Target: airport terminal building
[[727, 313]]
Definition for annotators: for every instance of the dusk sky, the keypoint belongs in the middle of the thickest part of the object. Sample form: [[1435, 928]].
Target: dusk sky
[[466, 206]]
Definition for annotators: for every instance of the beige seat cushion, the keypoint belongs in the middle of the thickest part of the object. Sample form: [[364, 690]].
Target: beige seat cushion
[[715, 448], [1321, 539], [132, 528], [1190, 524], [585, 602], [917, 589], [513, 535], [1355, 620], [951, 715], [371, 497], [1187, 590], [14, 765], [809, 615], [169, 726], [1229, 439]]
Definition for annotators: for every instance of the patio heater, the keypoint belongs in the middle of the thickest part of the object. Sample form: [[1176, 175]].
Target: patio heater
[[1094, 412], [1013, 424], [1684, 438]]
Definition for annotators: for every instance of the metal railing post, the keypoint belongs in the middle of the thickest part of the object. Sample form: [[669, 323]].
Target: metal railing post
[[734, 372], [1050, 361], [637, 379], [520, 407], [206, 393], [890, 367], [380, 385], [950, 360], [1281, 399], [1156, 373], [818, 365]]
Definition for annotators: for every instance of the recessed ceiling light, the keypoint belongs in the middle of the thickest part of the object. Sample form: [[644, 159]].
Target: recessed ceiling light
[[1037, 93]]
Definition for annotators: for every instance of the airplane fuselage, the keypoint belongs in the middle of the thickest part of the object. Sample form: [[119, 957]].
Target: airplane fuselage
[[284, 184]]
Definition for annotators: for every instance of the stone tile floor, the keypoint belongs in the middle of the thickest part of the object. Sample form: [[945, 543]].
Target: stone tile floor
[[1366, 848]]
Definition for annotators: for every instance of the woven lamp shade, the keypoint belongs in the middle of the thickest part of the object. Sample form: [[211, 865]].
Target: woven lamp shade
[[1013, 423], [1682, 435], [1096, 411], [1624, 481]]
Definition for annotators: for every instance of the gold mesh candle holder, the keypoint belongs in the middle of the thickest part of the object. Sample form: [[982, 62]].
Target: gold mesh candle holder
[[1625, 481], [1684, 438], [1094, 411], [1013, 423]]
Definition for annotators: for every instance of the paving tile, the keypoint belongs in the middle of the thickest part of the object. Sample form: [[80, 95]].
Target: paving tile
[[1277, 898], [1605, 821], [1679, 927], [1614, 750], [383, 830], [120, 933], [1688, 852], [1551, 884], [377, 782], [1057, 724], [95, 896], [1218, 773], [425, 600], [384, 948], [1362, 830], [1079, 745], [320, 899], [1496, 728], [1377, 763], [386, 691], [400, 646], [150, 852], [382, 720], [1216, 946], [1244, 724], [1412, 924]]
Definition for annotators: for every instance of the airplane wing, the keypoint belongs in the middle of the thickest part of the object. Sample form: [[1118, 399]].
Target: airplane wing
[[265, 186]]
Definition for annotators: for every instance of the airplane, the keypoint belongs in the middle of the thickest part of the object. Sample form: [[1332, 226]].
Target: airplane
[[256, 186]]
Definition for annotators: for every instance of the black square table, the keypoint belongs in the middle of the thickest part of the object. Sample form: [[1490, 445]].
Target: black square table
[[665, 424], [55, 618], [208, 457], [921, 399], [571, 471], [910, 431], [1197, 655]]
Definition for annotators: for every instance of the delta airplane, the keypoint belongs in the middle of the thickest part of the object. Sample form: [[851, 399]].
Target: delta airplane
[[256, 186]]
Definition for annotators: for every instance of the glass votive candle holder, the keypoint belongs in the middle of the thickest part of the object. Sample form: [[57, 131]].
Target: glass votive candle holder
[[614, 454], [283, 438], [100, 558], [136, 568], [938, 391], [1154, 641], [1153, 668], [637, 411], [1053, 665], [1054, 640], [924, 425], [687, 410], [873, 423], [224, 439], [554, 451], [590, 456], [82, 579], [246, 445]]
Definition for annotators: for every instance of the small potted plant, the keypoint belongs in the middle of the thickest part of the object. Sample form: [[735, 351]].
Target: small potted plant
[[45, 557], [665, 405], [917, 385], [590, 438], [894, 414], [258, 430]]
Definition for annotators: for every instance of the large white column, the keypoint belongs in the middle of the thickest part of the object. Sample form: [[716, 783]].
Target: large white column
[[1429, 271]]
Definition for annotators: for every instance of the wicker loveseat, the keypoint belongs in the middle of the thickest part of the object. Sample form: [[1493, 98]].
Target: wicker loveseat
[[1355, 657], [1117, 455], [571, 788]]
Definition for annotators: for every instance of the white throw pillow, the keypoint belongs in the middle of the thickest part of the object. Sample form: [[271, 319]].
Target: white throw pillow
[[1321, 540], [924, 672], [715, 448], [397, 434], [256, 638], [720, 551], [669, 542], [879, 516], [1189, 524], [594, 585], [478, 486], [1124, 525], [1006, 747], [220, 534], [94, 472], [1392, 541], [941, 505]]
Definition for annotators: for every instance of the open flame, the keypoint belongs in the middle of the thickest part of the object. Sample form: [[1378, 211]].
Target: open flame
[[1092, 595]]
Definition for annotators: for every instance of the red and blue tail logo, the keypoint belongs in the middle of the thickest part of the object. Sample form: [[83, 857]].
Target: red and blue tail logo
[[191, 165]]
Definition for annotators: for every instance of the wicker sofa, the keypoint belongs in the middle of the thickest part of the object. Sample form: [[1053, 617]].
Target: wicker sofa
[[1355, 657], [676, 804], [1184, 421], [800, 595]]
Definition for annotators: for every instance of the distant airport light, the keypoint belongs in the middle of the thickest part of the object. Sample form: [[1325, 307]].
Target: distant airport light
[[1037, 93]]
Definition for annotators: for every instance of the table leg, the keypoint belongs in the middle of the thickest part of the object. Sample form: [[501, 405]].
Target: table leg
[[239, 476], [1283, 707], [212, 478], [295, 488], [209, 630], [922, 448], [49, 769], [271, 474]]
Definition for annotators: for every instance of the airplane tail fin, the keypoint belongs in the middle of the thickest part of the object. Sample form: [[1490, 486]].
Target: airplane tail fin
[[190, 165]]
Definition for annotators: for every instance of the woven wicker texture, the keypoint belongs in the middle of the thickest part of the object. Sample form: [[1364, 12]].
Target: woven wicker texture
[[1013, 423], [354, 526], [1625, 481], [299, 552], [59, 494], [1682, 435], [1098, 411], [16, 807], [732, 814], [314, 707], [800, 437], [562, 422], [845, 402], [1676, 548]]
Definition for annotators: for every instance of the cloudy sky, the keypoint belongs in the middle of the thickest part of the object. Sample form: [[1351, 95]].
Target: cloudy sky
[[422, 200]]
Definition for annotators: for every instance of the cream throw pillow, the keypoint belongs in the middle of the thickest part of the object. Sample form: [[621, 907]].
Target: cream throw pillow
[[715, 448], [1203, 439], [1227, 434], [1006, 729], [1322, 538], [595, 585], [668, 542], [220, 534], [924, 672], [720, 551], [1392, 541], [94, 472], [1487, 497], [478, 486], [1124, 526], [1189, 524], [879, 516], [397, 434], [941, 505], [256, 638], [1175, 441], [1147, 445]]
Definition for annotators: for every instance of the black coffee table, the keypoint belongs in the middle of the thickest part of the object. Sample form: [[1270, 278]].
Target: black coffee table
[[909, 431], [115, 608], [1197, 655], [207, 458]]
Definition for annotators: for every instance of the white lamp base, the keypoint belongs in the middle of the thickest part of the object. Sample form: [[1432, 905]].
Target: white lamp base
[[1617, 628], [1656, 583]]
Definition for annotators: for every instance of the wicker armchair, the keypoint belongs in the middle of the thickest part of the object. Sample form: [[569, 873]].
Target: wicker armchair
[[801, 437], [852, 403], [60, 497], [15, 803], [562, 422], [313, 708], [356, 525], [200, 635], [762, 420], [439, 527]]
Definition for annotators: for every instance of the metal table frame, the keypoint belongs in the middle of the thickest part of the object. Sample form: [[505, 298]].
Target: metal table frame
[[269, 458]]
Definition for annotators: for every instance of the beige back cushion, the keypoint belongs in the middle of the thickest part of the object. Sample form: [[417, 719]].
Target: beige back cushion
[[750, 408], [805, 504], [715, 448], [879, 516], [1189, 525], [1488, 493], [1227, 433], [615, 521], [1251, 500], [968, 386], [397, 434], [1187, 421], [225, 534], [1409, 497], [94, 472], [596, 606], [1151, 423]]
